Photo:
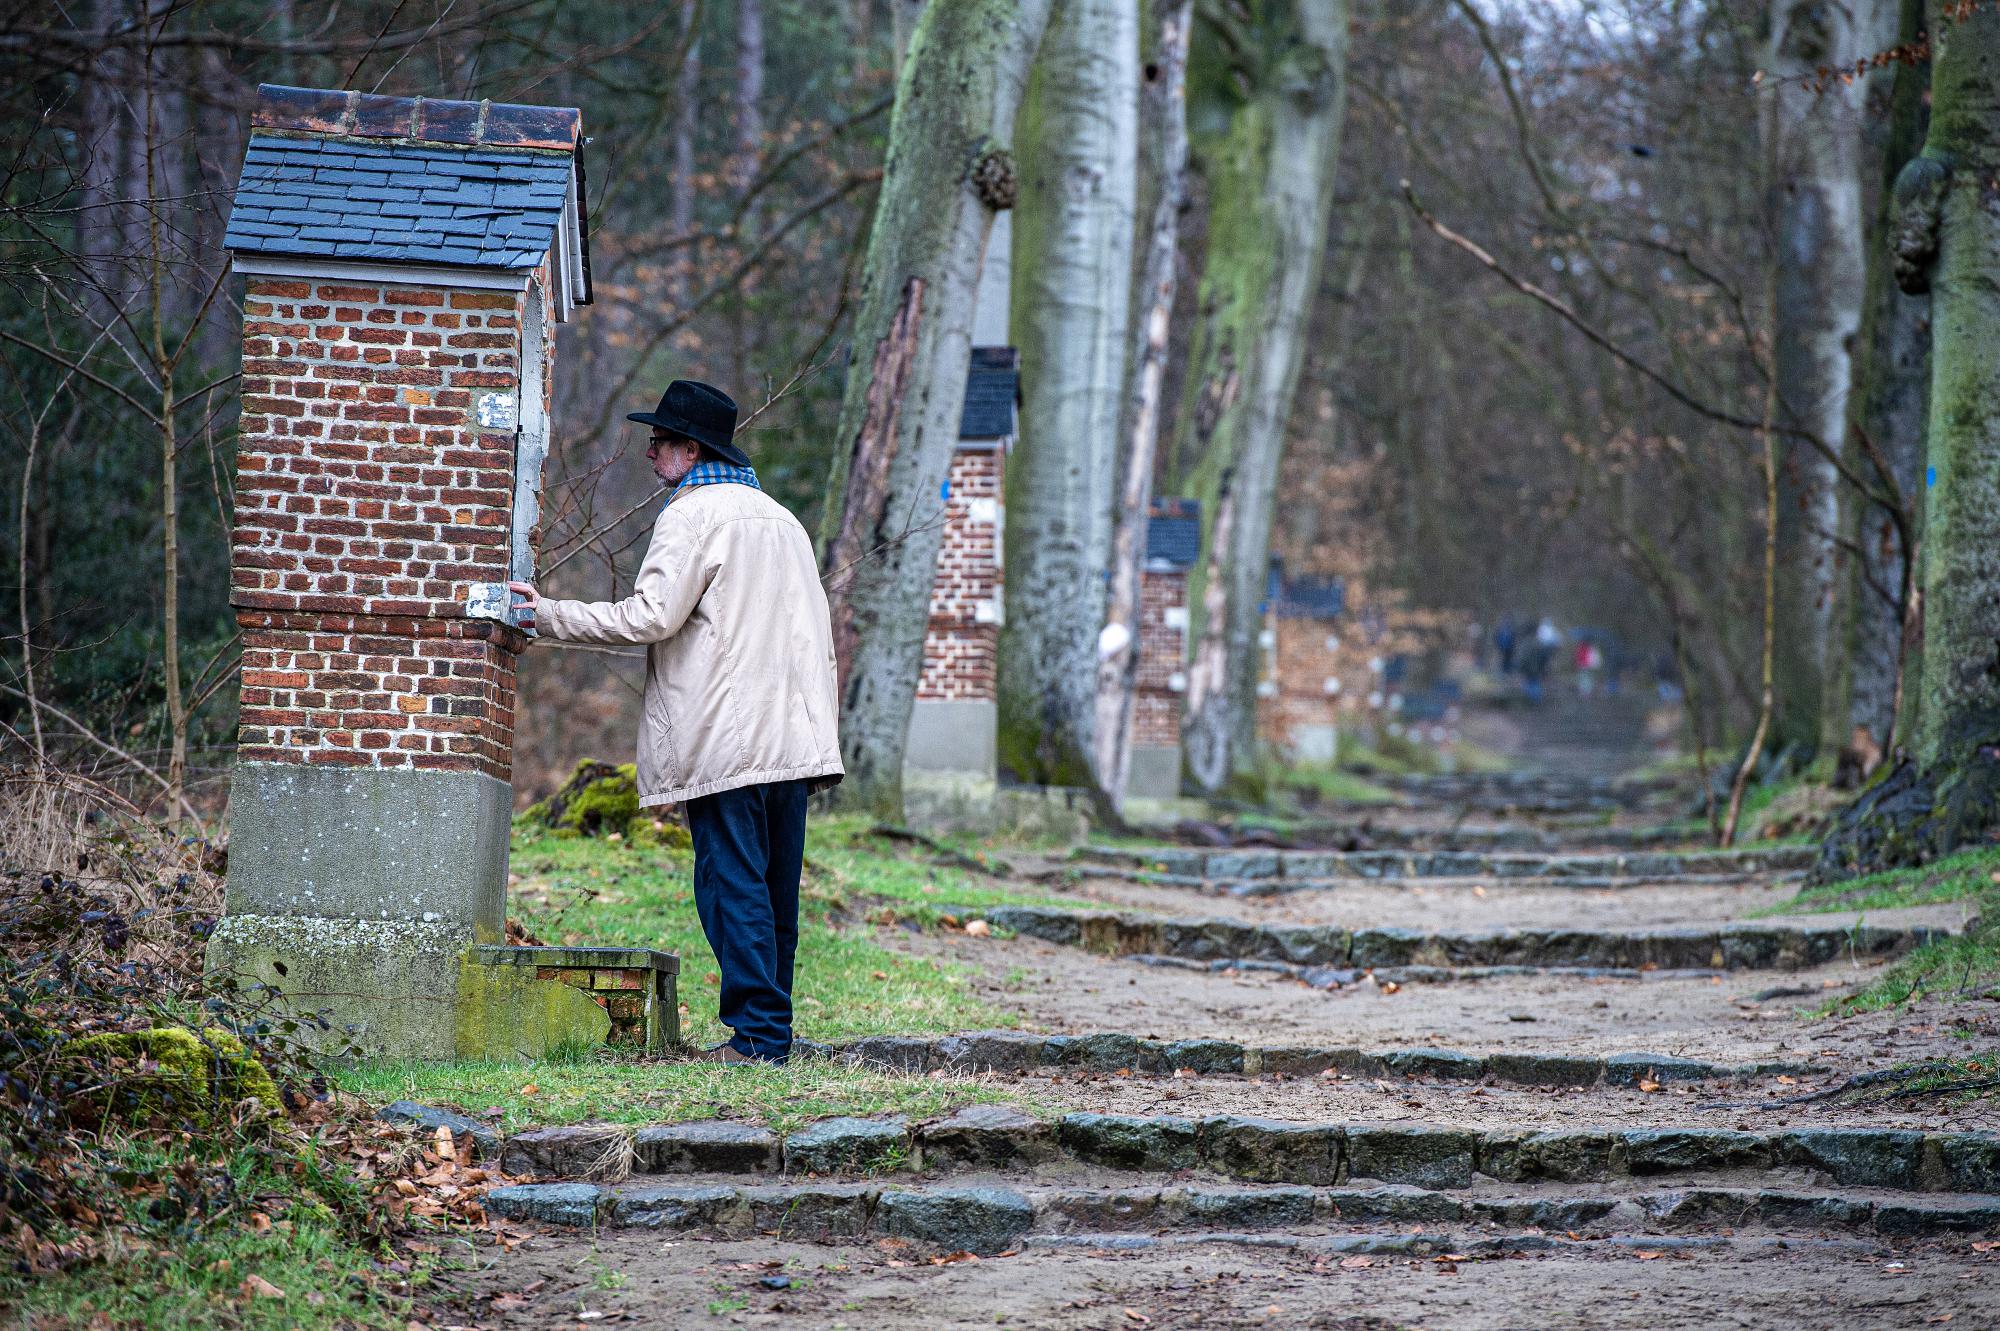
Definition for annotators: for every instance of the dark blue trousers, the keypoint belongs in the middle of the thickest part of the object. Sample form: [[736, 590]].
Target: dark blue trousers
[[749, 846]]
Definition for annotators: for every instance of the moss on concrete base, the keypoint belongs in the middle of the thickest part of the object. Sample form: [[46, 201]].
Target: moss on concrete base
[[505, 1014], [401, 989]]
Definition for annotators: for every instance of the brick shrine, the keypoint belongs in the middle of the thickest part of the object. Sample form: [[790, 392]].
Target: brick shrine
[[406, 260]]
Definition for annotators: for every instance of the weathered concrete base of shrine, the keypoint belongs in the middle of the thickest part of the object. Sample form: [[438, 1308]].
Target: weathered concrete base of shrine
[[370, 844], [959, 739], [945, 802], [1156, 773], [377, 898]]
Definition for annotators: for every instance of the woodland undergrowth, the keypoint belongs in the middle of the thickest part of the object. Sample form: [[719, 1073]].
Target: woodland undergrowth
[[170, 1154]]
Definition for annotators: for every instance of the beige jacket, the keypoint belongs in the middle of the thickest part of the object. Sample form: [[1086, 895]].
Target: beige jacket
[[739, 667]]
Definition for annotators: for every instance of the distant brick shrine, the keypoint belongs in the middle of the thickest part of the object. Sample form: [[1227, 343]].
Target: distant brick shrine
[[1309, 669], [954, 724], [406, 262], [1173, 543]]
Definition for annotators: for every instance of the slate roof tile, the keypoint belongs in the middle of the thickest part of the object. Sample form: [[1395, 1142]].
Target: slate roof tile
[[1173, 533], [407, 180], [409, 202], [992, 389]]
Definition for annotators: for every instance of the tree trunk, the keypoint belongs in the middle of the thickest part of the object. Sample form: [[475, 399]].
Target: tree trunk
[[948, 172], [1165, 96], [1960, 702], [1892, 382], [687, 124], [903, 16], [749, 92], [1815, 124], [1071, 299], [1947, 241], [1267, 144]]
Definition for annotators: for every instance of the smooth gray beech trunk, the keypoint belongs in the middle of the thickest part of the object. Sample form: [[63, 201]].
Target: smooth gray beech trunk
[[1816, 133], [1266, 137], [749, 92], [1165, 111], [1892, 388], [948, 171], [1077, 151], [687, 124]]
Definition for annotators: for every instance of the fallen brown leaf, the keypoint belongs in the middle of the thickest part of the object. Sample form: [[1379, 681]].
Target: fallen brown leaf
[[256, 1287], [1356, 1263]]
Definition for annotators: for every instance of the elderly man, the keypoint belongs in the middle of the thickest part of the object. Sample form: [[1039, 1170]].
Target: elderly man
[[739, 722]]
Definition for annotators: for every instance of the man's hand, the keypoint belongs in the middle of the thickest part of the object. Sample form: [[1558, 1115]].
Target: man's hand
[[530, 599]]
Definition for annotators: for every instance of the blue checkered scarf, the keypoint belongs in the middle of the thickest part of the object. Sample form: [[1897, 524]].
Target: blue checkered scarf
[[712, 472]]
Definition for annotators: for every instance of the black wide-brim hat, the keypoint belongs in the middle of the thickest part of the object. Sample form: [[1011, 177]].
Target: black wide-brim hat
[[702, 412]]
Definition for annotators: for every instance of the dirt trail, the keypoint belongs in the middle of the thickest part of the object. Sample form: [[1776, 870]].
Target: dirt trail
[[1445, 905], [670, 1283], [1670, 1254], [1063, 989]]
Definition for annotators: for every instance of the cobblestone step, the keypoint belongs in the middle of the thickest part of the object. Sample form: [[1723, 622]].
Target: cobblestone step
[[1730, 947], [999, 1215], [1184, 863], [1243, 1149], [1112, 1052]]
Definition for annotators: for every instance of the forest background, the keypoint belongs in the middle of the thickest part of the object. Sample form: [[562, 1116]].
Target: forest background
[[1456, 442]]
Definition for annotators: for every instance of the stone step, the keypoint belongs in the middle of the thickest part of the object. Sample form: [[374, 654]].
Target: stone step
[[1340, 977], [1256, 888], [1386, 832], [1114, 1052], [1729, 947], [1335, 865], [1426, 1241], [997, 1137], [998, 1215]]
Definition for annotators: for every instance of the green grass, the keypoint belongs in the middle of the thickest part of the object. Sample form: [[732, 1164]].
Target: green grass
[[172, 1264], [1955, 878], [1959, 967], [596, 891], [589, 891], [1965, 965], [1329, 785], [551, 1094]]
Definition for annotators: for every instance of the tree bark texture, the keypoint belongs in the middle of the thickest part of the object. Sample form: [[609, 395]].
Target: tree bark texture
[[749, 92], [1892, 386], [1077, 154], [948, 172], [1960, 703], [1165, 111], [1817, 210], [1947, 240], [687, 124], [1266, 137]]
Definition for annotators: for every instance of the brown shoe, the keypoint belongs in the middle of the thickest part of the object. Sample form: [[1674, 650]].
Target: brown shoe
[[723, 1053]]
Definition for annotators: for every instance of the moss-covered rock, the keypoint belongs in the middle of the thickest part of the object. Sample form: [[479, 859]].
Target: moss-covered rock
[[599, 799], [596, 799], [170, 1074], [649, 833]]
